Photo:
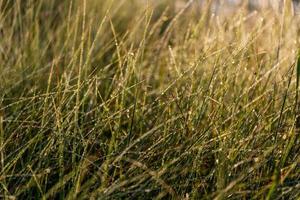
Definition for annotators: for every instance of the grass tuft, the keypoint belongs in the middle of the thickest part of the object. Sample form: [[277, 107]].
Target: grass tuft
[[104, 99]]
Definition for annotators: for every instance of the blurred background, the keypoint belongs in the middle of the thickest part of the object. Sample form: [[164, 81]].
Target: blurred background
[[229, 6]]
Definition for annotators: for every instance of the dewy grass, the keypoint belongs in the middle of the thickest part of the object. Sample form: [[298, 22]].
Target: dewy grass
[[104, 99]]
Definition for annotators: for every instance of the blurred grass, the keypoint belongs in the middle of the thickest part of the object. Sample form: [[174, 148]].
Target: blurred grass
[[129, 100]]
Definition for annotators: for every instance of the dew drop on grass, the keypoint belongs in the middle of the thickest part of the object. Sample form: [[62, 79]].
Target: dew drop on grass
[[284, 136], [147, 190]]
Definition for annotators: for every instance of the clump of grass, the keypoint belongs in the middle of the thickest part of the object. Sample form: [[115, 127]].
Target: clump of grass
[[100, 102]]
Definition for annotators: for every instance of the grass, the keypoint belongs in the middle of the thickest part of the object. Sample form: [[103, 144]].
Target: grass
[[125, 100]]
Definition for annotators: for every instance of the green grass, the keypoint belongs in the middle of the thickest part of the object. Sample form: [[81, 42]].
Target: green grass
[[103, 99]]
